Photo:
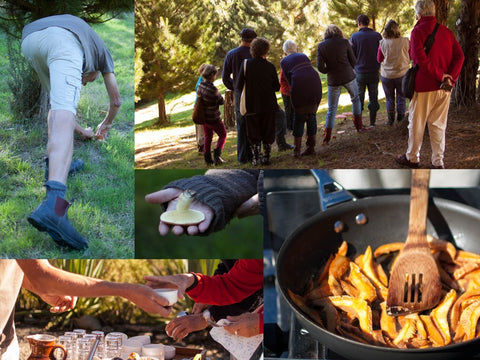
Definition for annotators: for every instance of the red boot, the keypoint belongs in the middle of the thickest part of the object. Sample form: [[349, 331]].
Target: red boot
[[357, 121], [327, 135]]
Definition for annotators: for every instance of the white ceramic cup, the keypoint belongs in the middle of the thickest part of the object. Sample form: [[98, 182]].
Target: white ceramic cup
[[130, 346], [156, 350], [170, 294], [143, 339], [169, 352]]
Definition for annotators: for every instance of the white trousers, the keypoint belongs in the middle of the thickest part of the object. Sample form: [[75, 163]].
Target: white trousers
[[56, 54], [428, 109], [13, 351]]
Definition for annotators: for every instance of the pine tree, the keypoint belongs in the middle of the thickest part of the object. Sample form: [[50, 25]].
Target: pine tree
[[344, 13], [29, 100], [171, 40]]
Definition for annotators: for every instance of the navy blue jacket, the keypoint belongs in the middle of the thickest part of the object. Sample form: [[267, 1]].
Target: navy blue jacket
[[232, 63], [304, 81], [365, 44]]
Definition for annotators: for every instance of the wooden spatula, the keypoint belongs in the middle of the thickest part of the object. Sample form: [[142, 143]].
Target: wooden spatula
[[414, 283]]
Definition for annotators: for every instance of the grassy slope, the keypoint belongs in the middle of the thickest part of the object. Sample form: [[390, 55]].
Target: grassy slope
[[242, 238], [103, 211]]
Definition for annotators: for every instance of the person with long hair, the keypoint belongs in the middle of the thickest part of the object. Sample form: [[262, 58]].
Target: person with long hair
[[394, 61], [336, 59]]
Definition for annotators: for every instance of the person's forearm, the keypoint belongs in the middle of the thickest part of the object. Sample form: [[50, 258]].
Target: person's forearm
[[44, 279], [114, 96], [222, 190]]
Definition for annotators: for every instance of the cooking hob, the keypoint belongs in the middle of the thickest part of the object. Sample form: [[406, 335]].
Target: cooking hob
[[292, 198]]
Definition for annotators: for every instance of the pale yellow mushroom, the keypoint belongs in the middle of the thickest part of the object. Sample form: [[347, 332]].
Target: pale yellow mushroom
[[182, 215]]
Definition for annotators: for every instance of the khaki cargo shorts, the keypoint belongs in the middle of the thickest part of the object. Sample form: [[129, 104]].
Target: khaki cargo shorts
[[56, 54]]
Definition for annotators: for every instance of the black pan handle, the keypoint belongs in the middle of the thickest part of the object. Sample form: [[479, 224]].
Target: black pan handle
[[331, 193]]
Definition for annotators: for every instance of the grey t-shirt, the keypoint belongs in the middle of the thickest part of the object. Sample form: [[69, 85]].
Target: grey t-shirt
[[10, 283], [96, 55]]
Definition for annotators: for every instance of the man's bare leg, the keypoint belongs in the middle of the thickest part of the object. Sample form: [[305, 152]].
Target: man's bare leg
[[61, 124], [51, 215]]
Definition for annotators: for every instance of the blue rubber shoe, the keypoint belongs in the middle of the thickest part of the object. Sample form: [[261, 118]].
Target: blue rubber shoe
[[51, 216]]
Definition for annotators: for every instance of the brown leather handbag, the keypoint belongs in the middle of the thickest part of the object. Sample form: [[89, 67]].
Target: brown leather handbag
[[198, 115]]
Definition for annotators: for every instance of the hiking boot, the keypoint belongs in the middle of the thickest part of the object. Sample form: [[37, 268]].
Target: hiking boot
[[373, 118], [357, 122], [400, 117], [311, 141], [75, 166], [298, 146], [267, 149], [208, 158], [402, 160], [391, 118], [282, 143], [216, 157], [257, 154], [51, 216], [327, 135]]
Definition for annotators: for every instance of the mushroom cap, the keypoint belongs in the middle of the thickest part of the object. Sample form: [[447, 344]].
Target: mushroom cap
[[182, 217]]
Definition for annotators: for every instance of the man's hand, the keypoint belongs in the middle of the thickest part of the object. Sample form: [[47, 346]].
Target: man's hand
[[179, 281], [60, 303], [247, 324], [85, 134], [170, 196], [180, 327], [148, 300]]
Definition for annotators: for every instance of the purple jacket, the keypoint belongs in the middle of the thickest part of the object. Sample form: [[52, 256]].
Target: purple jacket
[[304, 81]]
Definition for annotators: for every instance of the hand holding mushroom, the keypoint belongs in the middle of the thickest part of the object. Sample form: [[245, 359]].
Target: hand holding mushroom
[[183, 212]]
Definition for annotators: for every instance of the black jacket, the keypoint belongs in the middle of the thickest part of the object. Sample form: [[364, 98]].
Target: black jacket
[[336, 59], [261, 84]]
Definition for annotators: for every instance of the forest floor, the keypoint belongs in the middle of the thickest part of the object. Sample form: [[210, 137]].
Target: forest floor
[[175, 146]]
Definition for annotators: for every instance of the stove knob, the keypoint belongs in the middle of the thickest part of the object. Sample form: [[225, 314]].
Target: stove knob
[[338, 226], [361, 219]]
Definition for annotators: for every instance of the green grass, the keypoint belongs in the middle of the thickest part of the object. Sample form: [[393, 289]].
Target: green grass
[[104, 208], [242, 238]]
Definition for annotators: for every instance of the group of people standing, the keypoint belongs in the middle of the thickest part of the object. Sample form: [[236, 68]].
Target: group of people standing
[[357, 65]]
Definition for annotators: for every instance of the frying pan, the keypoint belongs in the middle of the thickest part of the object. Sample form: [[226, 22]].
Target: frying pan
[[371, 221]]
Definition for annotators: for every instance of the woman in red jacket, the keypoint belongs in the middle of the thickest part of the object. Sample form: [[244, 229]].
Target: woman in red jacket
[[437, 73], [244, 279]]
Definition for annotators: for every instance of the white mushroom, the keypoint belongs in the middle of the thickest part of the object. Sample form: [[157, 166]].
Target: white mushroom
[[182, 215]]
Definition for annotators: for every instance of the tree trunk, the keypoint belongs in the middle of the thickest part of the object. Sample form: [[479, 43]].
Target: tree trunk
[[229, 110], [43, 106], [468, 37], [162, 114], [441, 10]]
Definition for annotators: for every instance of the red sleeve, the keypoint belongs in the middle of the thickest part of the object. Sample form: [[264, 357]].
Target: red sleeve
[[284, 87], [244, 279], [380, 56]]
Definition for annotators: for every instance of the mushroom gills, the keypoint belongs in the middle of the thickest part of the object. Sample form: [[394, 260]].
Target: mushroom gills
[[182, 215]]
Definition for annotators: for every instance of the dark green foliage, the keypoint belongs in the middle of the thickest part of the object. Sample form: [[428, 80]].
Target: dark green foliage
[[15, 14], [23, 83]]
